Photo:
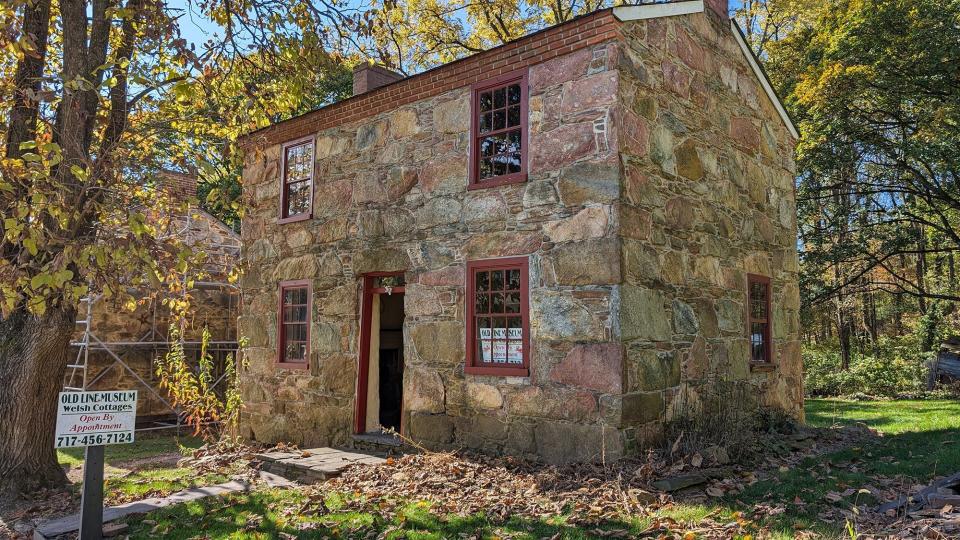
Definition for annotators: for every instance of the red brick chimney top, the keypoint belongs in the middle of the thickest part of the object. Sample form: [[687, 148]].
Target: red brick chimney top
[[367, 77], [181, 186]]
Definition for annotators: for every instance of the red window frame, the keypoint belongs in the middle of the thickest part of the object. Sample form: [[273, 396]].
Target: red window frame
[[476, 366], [284, 191], [504, 80], [281, 327], [766, 332]]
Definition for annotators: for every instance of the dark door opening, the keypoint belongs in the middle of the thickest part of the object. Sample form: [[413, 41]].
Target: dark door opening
[[391, 360]]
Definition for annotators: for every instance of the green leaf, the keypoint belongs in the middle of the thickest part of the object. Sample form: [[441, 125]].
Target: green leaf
[[31, 245]]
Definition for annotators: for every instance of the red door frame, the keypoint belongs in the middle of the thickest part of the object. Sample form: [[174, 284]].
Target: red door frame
[[363, 364]]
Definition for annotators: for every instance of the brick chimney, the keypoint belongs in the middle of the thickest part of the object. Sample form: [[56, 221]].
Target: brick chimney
[[181, 186], [720, 7], [367, 77]]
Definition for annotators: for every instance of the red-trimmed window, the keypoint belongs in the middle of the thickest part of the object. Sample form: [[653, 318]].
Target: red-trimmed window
[[293, 336], [296, 191], [498, 319], [758, 318], [498, 143]]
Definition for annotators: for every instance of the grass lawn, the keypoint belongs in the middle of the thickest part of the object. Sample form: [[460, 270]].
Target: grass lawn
[[921, 439], [145, 468]]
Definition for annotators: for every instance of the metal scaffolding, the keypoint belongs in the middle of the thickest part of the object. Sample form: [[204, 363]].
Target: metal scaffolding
[[82, 376]]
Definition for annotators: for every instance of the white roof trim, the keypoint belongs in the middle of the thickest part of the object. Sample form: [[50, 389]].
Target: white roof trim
[[762, 77], [653, 11]]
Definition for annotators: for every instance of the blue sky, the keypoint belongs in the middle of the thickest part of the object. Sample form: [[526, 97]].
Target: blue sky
[[197, 29]]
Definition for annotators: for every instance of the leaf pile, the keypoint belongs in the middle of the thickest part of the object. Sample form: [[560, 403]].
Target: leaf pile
[[504, 487]]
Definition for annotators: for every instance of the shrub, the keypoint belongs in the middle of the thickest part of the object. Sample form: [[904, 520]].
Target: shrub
[[725, 415], [894, 369]]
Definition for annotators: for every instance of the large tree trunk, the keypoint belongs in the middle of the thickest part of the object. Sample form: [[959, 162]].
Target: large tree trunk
[[33, 358], [22, 125]]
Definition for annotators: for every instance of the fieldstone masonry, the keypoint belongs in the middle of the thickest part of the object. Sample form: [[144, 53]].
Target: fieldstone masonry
[[659, 176]]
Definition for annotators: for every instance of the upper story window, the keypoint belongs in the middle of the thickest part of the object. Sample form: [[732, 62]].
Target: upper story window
[[296, 190], [498, 321], [293, 336], [498, 145], [758, 318]]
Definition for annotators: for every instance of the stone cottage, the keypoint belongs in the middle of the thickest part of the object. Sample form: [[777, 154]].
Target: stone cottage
[[547, 249]]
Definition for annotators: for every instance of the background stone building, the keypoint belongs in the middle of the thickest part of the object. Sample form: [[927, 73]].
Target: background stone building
[[547, 249], [115, 348]]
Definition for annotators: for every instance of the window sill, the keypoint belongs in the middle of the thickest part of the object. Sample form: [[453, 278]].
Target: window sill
[[762, 367], [515, 178], [292, 365], [296, 218], [497, 371]]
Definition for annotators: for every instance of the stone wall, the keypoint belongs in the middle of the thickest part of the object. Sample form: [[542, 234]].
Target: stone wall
[[392, 195], [659, 176], [707, 199]]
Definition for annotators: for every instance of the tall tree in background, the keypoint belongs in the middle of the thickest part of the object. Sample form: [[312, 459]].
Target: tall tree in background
[[876, 87], [410, 35], [94, 85]]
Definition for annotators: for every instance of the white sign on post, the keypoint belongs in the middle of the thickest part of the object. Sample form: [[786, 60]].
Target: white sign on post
[[96, 418]]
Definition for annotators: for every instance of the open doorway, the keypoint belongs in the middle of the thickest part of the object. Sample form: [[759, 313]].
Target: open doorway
[[380, 381]]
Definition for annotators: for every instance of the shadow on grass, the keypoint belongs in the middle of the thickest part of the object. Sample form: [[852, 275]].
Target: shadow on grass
[[276, 513]]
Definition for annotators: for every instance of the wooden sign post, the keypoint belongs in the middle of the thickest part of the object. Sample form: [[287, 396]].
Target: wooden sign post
[[94, 420]]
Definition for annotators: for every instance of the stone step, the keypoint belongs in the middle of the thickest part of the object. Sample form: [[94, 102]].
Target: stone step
[[313, 465], [380, 444]]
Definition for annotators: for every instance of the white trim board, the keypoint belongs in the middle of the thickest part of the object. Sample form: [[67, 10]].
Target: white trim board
[[654, 11], [762, 77]]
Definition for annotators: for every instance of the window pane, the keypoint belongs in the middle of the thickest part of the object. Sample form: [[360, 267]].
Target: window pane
[[499, 166], [499, 97], [496, 280], [486, 168], [299, 162], [483, 303], [514, 138], [295, 314], [484, 342], [496, 303], [295, 351], [488, 146], [298, 198], [515, 343], [499, 119], [513, 116], [294, 296], [513, 279], [295, 332], [501, 144], [758, 300], [758, 342], [486, 120], [499, 340], [486, 102], [483, 281], [513, 163], [513, 94], [512, 302]]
